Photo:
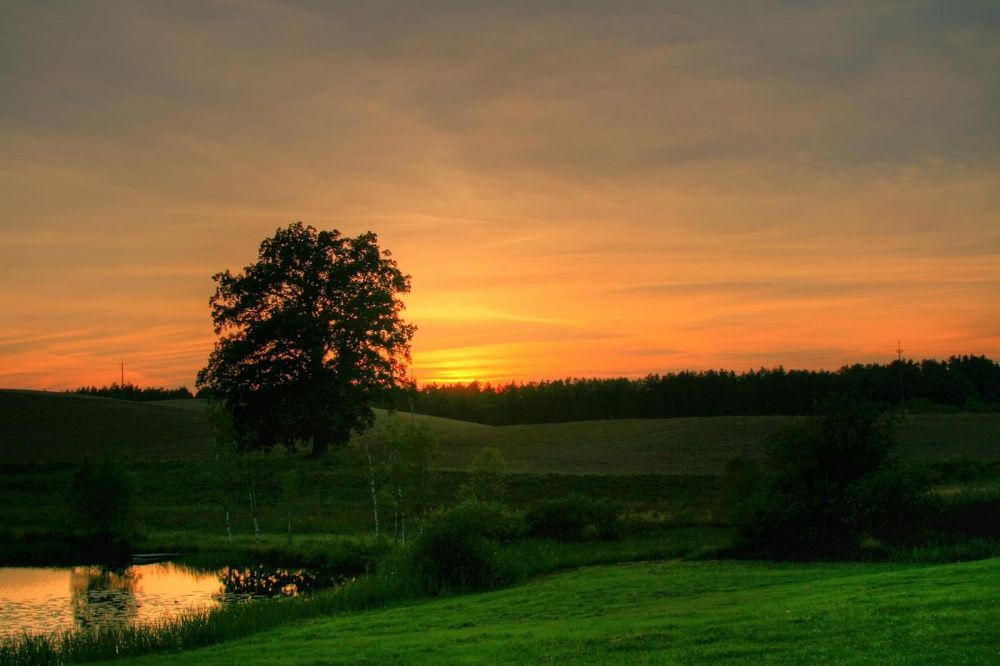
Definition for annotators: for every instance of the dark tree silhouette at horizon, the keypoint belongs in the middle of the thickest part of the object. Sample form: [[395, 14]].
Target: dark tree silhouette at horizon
[[308, 335], [958, 383]]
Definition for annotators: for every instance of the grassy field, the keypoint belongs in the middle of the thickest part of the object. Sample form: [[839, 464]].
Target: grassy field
[[40, 427], [663, 471], [660, 469], [43, 427], [669, 612]]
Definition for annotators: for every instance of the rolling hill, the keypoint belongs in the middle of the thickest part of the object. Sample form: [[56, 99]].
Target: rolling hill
[[40, 427], [44, 427]]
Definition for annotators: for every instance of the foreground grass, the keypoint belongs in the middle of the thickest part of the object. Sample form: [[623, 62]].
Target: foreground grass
[[666, 612], [391, 585]]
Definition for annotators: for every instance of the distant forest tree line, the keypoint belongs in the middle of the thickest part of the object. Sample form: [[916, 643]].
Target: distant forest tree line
[[961, 383], [129, 391]]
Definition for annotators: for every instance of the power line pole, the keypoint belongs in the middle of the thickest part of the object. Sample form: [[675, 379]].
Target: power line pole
[[121, 362]]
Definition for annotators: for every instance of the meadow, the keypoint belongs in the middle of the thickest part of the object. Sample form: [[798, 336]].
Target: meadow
[[42, 428], [657, 609], [663, 472], [664, 612], [662, 469]]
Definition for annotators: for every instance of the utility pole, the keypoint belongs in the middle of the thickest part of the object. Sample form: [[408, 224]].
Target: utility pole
[[121, 362], [899, 358]]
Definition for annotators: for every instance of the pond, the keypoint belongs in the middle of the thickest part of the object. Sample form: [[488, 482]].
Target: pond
[[44, 600]]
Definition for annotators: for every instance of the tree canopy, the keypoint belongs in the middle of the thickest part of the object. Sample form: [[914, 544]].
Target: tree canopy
[[129, 391], [309, 334]]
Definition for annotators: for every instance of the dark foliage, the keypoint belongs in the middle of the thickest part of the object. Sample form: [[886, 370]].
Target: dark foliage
[[740, 481], [309, 335], [574, 518], [962, 469], [487, 480], [970, 383], [132, 392], [100, 499], [832, 483], [459, 549], [971, 513]]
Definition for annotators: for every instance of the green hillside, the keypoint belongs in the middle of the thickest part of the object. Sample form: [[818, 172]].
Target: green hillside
[[670, 612], [37, 426], [58, 427], [683, 445]]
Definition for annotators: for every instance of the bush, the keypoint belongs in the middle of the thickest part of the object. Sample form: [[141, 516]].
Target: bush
[[832, 484], [961, 469], [574, 518], [458, 549], [971, 513], [100, 499], [741, 480], [487, 480]]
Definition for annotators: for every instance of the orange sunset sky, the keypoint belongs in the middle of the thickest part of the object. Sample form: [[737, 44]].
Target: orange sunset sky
[[585, 189]]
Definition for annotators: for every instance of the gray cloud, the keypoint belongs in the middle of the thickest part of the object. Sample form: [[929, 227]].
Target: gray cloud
[[585, 91], [545, 153]]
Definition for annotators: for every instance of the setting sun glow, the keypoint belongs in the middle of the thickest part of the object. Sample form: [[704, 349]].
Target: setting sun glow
[[607, 193]]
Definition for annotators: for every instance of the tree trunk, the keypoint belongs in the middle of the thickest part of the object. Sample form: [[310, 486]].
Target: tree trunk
[[371, 476], [252, 493]]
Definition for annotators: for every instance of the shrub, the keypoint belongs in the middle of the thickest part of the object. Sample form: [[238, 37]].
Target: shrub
[[487, 480], [832, 483], [961, 469], [741, 480], [100, 499], [458, 549], [971, 513], [574, 518]]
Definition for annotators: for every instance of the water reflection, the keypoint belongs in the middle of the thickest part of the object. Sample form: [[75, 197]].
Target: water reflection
[[100, 596], [39, 600], [264, 581]]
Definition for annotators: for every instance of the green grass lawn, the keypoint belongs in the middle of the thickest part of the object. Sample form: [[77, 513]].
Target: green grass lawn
[[669, 612]]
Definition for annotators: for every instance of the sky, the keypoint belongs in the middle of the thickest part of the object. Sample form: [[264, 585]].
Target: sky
[[584, 189]]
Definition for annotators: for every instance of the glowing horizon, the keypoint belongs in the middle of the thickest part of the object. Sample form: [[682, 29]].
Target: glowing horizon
[[586, 191]]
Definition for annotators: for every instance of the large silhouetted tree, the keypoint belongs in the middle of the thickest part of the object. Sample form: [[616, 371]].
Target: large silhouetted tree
[[308, 335]]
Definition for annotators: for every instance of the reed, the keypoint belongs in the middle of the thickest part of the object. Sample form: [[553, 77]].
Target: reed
[[197, 628]]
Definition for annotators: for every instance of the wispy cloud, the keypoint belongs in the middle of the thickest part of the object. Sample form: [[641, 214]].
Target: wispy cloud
[[573, 187]]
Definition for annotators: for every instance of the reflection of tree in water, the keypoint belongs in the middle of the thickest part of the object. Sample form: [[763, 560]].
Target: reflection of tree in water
[[260, 581], [102, 597]]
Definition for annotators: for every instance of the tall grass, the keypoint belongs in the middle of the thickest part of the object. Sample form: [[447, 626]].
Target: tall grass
[[197, 628]]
